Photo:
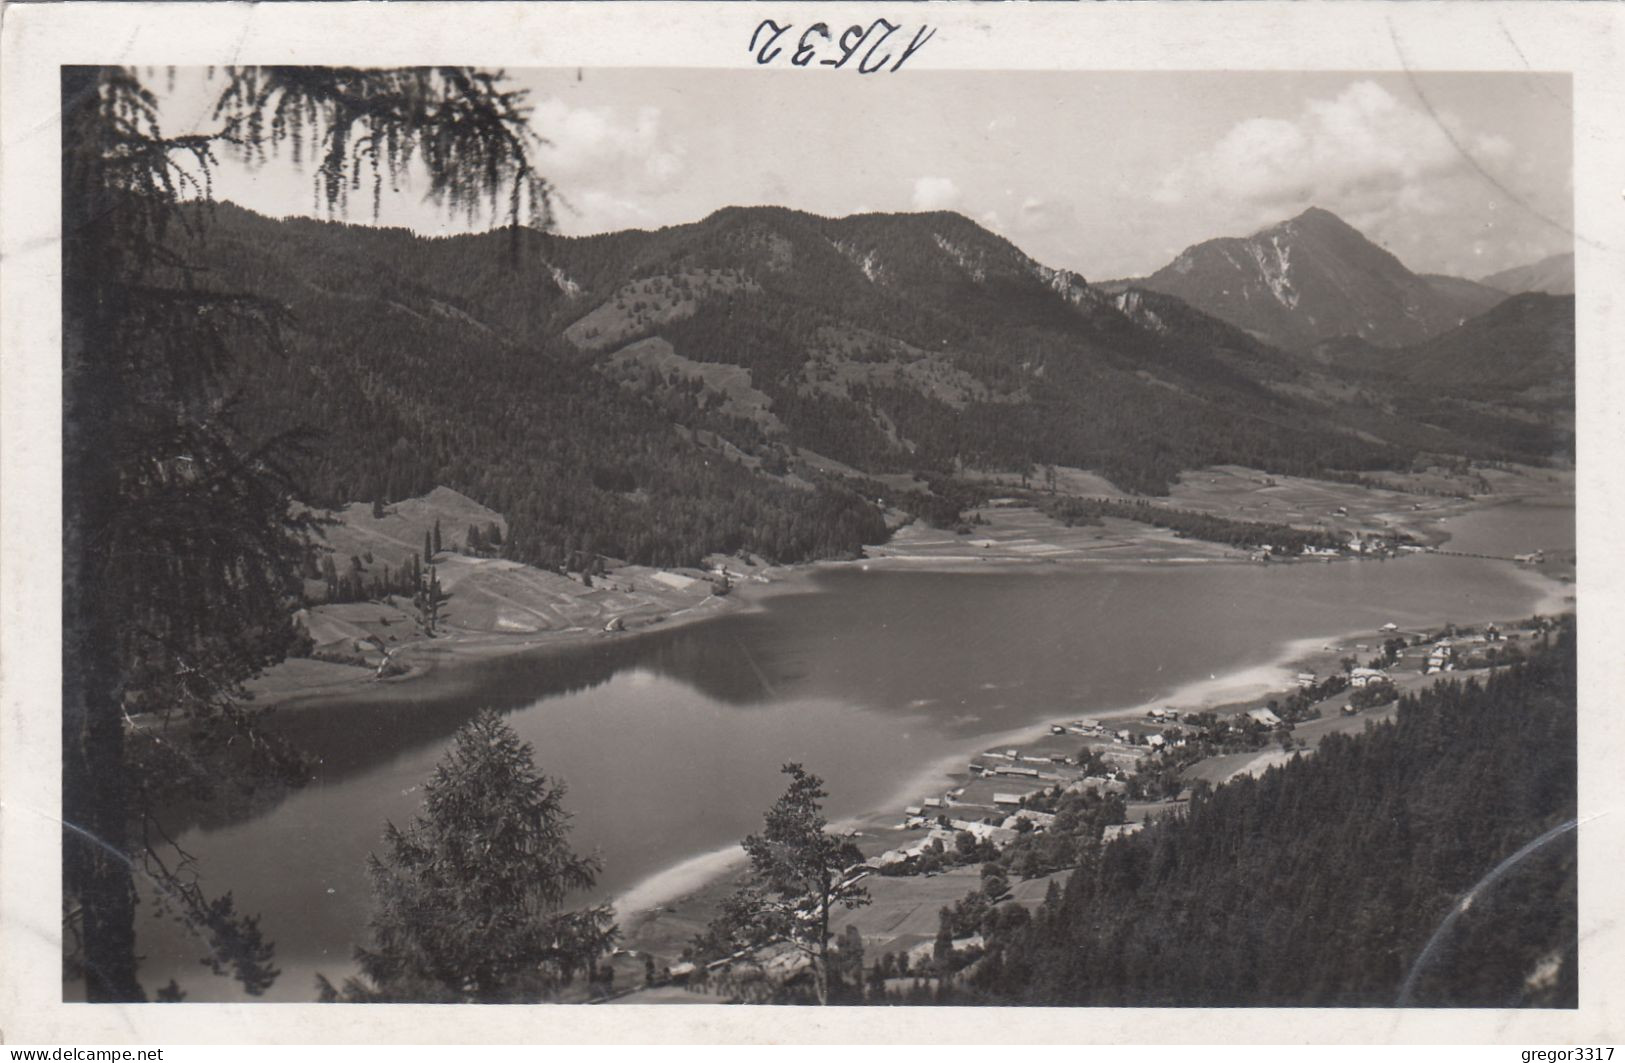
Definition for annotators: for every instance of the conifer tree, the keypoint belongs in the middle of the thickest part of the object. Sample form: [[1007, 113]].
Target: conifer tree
[[181, 550], [330, 576], [797, 879], [469, 899], [428, 599]]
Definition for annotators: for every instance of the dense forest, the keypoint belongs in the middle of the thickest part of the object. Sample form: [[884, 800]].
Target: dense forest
[[514, 367], [1507, 374], [1244, 534], [398, 393], [1322, 882]]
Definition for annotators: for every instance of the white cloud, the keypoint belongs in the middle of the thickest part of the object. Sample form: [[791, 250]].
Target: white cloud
[[601, 211], [606, 161], [774, 188], [1049, 230], [1380, 162], [1046, 216], [935, 193]]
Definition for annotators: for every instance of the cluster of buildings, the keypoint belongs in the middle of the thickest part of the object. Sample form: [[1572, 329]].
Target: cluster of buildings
[[1440, 659], [1465, 651], [1359, 678], [1359, 544], [989, 807]]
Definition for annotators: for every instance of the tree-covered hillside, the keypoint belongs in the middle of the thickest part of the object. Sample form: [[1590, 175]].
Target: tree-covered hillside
[[1322, 881], [401, 390], [647, 394], [1505, 377]]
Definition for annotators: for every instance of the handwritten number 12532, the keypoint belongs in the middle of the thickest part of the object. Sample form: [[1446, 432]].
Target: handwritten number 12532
[[818, 44]]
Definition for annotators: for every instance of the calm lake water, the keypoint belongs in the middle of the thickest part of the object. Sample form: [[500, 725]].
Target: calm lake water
[[670, 743]]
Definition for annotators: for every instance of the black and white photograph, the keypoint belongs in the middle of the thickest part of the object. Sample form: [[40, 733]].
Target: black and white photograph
[[847, 527]]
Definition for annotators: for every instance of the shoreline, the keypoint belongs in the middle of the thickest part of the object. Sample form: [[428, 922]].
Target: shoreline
[[438, 666], [658, 911], [442, 662], [307, 684], [651, 908], [1557, 595], [681, 882]]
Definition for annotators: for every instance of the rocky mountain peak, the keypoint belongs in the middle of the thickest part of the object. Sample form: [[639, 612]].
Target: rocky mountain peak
[[1307, 279]]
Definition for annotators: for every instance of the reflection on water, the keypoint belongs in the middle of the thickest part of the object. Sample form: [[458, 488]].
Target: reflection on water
[[1510, 530], [670, 743]]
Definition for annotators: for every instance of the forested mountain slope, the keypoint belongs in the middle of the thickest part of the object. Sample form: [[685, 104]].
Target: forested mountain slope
[[1553, 275], [1522, 347], [647, 394], [1505, 376], [1321, 882], [1470, 297]]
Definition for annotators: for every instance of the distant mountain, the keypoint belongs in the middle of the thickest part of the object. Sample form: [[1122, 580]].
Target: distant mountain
[[1312, 278], [1506, 376], [1522, 349], [660, 396], [1554, 275], [1472, 297]]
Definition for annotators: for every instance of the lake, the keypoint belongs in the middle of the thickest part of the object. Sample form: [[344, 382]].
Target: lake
[[670, 742]]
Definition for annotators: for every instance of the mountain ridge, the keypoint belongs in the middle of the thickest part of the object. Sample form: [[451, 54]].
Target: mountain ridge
[[1508, 371], [1310, 278], [1553, 275], [648, 394]]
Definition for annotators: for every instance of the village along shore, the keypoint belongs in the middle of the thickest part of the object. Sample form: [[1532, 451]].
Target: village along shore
[[660, 913], [839, 650], [984, 790], [991, 781]]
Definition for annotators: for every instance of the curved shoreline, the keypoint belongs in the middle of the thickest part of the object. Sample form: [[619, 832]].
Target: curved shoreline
[[641, 905], [689, 876], [698, 876], [437, 667]]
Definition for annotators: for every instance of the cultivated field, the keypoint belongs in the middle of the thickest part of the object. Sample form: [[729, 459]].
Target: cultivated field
[[491, 605], [1022, 533]]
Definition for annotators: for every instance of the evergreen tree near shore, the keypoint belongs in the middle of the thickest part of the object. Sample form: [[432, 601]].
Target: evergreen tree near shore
[[797, 880], [469, 899]]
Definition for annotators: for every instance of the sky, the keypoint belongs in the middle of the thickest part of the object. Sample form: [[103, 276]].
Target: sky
[[1110, 174]]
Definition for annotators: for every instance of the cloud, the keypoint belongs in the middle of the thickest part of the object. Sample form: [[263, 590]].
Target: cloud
[[1046, 216], [1378, 161], [601, 211], [606, 160], [935, 193], [774, 188], [1047, 229], [1361, 142]]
